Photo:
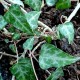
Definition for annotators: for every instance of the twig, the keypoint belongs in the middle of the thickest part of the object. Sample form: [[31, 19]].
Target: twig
[[37, 47], [45, 26], [33, 65], [5, 54], [38, 62], [1, 56], [13, 77], [16, 52], [74, 12]]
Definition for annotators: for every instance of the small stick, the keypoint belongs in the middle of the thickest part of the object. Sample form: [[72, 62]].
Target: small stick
[[38, 62], [37, 47], [74, 12], [13, 78], [5, 54], [33, 65], [45, 26]]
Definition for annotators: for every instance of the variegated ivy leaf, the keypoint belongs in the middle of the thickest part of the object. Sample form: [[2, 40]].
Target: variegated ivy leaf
[[32, 18], [55, 75], [2, 22], [23, 70], [35, 4], [28, 44], [19, 2], [0, 77], [50, 56], [51, 2], [66, 30], [15, 17]]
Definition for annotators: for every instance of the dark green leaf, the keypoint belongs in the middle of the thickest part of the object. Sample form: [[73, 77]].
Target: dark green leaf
[[32, 19], [12, 29], [50, 56], [35, 4], [2, 22], [15, 17], [55, 75], [48, 39], [23, 70], [66, 30], [51, 2], [63, 4], [12, 47], [28, 44]]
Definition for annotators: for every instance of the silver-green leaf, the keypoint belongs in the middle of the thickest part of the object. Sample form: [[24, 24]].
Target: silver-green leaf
[[23, 70], [2, 22], [0, 77], [66, 30], [55, 75], [32, 19], [35, 4], [28, 44], [19, 2], [50, 56], [15, 17], [51, 2]]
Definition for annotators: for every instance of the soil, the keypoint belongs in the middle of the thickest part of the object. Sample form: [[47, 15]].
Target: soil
[[50, 17]]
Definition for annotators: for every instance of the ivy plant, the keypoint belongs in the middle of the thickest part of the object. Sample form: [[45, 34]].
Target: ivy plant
[[26, 24]]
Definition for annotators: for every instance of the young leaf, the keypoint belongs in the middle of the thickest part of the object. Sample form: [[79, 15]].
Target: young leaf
[[32, 19], [16, 36], [55, 75], [19, 2], [35, 4], [28, 44], [0, 77], [66, 30], [12, 47], [6, 40], [51, 2], [63, 4], [50, 56], [23, 70], [48, 39], [2, 22], [15, 17]]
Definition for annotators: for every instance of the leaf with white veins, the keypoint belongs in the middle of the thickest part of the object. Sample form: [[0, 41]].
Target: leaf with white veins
[[32, 19], [23, 70], [35, 4], [2, 22], [28, 44], [50, 56], [56, 74], [66, 30], [15, 17]]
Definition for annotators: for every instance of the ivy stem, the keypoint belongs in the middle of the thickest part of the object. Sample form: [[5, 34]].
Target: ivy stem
[[74, 12], [3, 53], [45, 26], [16, 51], [33, 65]]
